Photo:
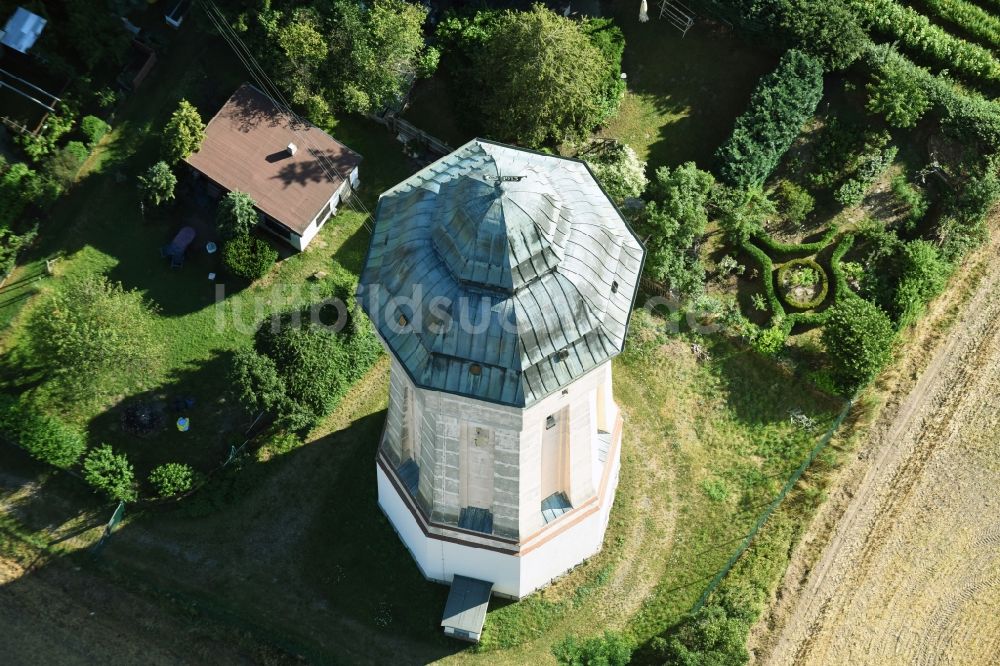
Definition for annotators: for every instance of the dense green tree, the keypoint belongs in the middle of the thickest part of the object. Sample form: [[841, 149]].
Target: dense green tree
[[742, 213], [110, 473], [858, 336], [674, 223], [780, 104], [541, 79], [825, 29], [37, 146], [183, 134], [171, 479], [618, 169], [157, 184], [20, 186], [342, 55], [236, 215], [93, 334]]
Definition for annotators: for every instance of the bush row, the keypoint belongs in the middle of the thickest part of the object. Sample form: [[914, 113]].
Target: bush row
[[916, 32], [966, 115], [971, 18], [780, 104]]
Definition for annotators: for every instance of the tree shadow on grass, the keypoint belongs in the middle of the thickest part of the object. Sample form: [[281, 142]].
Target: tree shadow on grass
[[198, 392], [759, 392], [297, 541], [705, 77]]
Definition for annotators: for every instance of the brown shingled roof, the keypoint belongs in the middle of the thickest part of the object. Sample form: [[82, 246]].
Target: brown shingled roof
[[245, 149]]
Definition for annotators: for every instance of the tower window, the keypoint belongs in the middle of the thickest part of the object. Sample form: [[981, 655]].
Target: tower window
[[614, 287], [550, 421]]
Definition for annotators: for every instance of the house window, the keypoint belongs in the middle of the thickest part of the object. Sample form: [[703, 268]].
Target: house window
[[324, 215]]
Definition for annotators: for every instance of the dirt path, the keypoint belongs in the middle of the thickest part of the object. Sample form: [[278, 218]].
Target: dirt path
[[911, 571]]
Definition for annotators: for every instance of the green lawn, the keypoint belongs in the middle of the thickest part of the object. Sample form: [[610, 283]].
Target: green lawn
[[684, 93]]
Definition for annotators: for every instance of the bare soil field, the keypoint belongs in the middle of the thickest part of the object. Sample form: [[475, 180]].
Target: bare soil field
[[902, 566]]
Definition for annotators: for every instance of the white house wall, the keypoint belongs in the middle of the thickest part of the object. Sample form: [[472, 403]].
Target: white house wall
[[301, 241]]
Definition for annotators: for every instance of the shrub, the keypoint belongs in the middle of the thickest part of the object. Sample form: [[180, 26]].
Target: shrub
[[898, 96], [65, 165], [158, 183], [922, 276], [236, 215], [780, 104], [94, 129], [841, 272], [710, 636], [110, 473], [248, 256], [674, 222], [183, 133], [858, 337], [870, 167], [43, 436], [802, 273], [171, 479], [300, 370], [913, 198], [794, 202], [611, 649], [618, 169]]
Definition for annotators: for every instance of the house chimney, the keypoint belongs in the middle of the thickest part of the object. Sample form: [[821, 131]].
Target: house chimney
[[292, 148]]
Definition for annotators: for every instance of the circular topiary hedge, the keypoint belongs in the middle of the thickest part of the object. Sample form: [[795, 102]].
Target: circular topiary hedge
[[787, 288]]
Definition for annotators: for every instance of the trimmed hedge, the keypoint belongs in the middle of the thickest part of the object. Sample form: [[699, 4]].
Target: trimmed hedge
[[791, 250], [840, 287], [781, 103], [767, 275], [783, 274]]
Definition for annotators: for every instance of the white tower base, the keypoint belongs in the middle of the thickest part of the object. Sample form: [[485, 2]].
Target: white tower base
[[516, 568]]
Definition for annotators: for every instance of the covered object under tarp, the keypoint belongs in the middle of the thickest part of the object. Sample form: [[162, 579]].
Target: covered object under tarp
[[465, 611]]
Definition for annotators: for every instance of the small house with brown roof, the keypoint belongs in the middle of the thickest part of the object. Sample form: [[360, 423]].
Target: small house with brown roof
[[297, 173]]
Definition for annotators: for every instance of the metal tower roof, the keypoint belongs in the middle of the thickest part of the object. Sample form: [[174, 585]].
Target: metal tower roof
[[500, 273]]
